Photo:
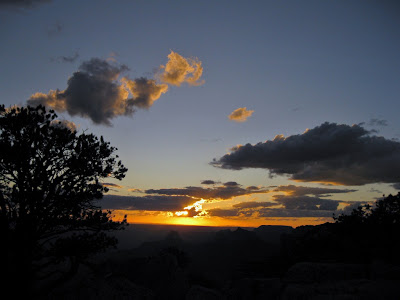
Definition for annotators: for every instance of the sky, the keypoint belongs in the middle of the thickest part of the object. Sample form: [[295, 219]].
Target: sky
[[226, 113]]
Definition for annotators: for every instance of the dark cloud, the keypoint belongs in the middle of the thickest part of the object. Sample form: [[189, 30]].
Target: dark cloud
[[288, 206], [22, 3], [150, 203], [220, 212], [294, 213], [208, 182], [217, 192], [266, 212], [253, 188], [102, 69], [231, 183], [328, 153], [306, 203], [253, 204], [296, 190], [92, 92]]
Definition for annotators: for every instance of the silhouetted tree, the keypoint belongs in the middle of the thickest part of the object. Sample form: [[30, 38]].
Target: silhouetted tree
[[369, 232], [375, 230], [50, 178]]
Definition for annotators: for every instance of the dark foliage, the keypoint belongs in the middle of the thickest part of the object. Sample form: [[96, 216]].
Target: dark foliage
[[50, 178], [368, 233]]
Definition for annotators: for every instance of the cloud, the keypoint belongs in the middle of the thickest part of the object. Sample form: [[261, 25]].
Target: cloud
[[377, 122], [288, 206], [253, 204], [294, 213], [97, 92], [22, 3], [220, 212], [270, 213], [112, 185], [135, 190], [149, 203], [223, 192], [231, 183], [329, 153], [208, 182], [295, 190], [145, 91], [64, 124], [179, 70], [67, 59], [240, 115], [306, 203], [53, 99], [92, 92]]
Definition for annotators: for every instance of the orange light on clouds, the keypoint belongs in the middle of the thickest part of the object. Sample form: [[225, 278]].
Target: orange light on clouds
[[181, 213]]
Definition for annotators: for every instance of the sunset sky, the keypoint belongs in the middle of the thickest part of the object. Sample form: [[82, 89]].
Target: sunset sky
[[237, 113]]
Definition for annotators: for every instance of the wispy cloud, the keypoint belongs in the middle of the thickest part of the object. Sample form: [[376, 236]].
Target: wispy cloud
[[67, 59], [295, 190], [112, 185], [378, 122], [240, 115]]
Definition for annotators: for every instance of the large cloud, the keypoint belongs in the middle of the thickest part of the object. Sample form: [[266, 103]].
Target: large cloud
[[240, 115], [97, 92], [328, 153]]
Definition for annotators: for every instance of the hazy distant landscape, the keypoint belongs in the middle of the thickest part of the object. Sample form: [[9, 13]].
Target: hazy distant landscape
[[189, 262]]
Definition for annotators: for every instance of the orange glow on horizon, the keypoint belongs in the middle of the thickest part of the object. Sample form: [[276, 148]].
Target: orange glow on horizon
[[168, 218]]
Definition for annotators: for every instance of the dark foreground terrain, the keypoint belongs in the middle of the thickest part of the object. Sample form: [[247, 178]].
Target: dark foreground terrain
[[185, 262]]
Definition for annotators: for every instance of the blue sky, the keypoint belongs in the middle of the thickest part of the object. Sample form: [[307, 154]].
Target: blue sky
[[296, 64]]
